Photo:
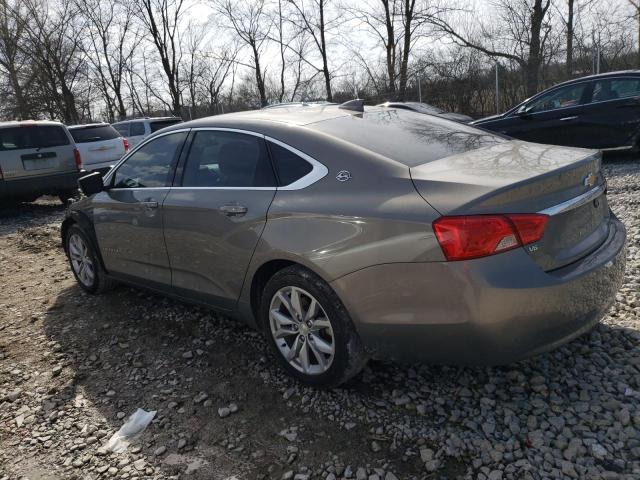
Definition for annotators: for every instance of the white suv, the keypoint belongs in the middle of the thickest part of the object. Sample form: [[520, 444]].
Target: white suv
[[138, 129], [100, 145]]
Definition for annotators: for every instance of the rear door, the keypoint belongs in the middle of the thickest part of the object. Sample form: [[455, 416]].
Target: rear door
[[613, 116], [31, 150], [215, 217], [128, 216], [555, 117]]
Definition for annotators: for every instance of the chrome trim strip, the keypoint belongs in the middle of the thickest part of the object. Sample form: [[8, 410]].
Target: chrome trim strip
[[110, 173], [317, 172], [574, 202]]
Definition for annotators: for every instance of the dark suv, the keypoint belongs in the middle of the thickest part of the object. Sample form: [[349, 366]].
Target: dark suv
[[600, 111]]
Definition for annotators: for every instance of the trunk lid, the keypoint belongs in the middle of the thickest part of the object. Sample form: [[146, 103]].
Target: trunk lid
[[521, 177]]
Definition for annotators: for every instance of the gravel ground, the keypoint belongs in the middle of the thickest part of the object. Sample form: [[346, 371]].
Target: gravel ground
[[73, 367]]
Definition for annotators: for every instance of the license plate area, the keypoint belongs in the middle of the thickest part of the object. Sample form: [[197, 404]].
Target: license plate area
[[39, 161]]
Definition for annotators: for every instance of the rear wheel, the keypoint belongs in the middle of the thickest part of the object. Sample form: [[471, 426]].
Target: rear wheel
[[309, 329], [84, 262]]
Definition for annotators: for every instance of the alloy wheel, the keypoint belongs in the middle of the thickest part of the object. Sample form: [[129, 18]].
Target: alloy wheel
[[302, 331], [81, 261]]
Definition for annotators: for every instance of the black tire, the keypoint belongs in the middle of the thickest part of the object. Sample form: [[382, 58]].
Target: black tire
[[349, 356], [66, 196], [100, 281]]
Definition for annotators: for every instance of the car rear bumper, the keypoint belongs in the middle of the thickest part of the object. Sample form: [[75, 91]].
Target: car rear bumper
[[102, 167], [31, 187], [487, 311]]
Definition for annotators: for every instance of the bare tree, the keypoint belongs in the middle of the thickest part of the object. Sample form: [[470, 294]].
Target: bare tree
[[13, 63], [112, 41], [54, 36], [247, 19], [162, 19], [313, 20], [635, 4], [525, 25]]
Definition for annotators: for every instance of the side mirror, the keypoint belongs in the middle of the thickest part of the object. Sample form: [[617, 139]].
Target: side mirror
[[90, 184]]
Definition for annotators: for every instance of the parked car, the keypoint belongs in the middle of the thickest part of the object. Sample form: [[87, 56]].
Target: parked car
[[347, 234], [599, 111], [100, 145], [138, 129], [37, 158], [427, 109]]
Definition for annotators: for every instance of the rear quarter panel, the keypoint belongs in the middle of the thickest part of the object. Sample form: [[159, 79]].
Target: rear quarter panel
[[334, 227]]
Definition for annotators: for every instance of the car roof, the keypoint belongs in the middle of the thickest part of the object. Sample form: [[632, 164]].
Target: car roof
[[294, 115], [619, 73], [88, 125], [18, 123]]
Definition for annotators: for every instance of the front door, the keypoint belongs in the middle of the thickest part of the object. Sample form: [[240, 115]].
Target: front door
[[215, 216], [128, 216], [553, 117]]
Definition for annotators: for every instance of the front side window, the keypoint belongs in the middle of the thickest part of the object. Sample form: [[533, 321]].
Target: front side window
[[569, 96], [227, 159], [137, 129], [150, 165], [613, 89], [290, 167]]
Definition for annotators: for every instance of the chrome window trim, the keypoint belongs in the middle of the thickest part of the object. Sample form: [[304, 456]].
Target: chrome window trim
[[574, 202], [111, 173], [318, 170]]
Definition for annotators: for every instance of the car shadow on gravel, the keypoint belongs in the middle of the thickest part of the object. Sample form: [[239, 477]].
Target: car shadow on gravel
[[130, 349]]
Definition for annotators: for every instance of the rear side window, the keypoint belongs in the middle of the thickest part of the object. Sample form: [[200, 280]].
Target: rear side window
[[32, 136], [227, 159], [613, 89], [160, 124], [151, 164], [122, 128], [290, 167], [94, 134], [136, 129]]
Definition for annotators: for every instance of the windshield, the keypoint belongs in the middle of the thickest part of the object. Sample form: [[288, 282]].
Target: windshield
[[426, 108], [94, 134], [32, 136]]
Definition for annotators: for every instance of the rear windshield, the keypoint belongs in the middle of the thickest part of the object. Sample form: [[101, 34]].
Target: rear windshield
[[94, 134], [160, 124], [408, 137], [32, 136]]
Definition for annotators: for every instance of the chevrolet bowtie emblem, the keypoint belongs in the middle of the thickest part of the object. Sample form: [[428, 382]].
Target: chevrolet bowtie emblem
[[589, 180]]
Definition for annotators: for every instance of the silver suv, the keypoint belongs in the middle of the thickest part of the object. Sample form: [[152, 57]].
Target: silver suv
[[138, 129], [37, 158]]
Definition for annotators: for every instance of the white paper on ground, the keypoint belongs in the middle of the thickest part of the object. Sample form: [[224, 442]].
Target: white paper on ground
[[134, 426]]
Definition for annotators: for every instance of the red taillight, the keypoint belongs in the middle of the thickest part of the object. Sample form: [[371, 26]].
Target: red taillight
[[126, 145], [474, 236], [77, 158], [1, 174]]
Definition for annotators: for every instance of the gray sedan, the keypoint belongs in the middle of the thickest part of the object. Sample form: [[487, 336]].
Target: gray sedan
[[346, 234]]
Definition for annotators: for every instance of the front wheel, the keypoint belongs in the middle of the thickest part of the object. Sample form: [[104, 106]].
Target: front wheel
[[309, 329], [84, 262]]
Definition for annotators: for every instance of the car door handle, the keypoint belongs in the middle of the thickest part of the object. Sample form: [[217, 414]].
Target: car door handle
[[150, 204], [568, 119], [233, 210]]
